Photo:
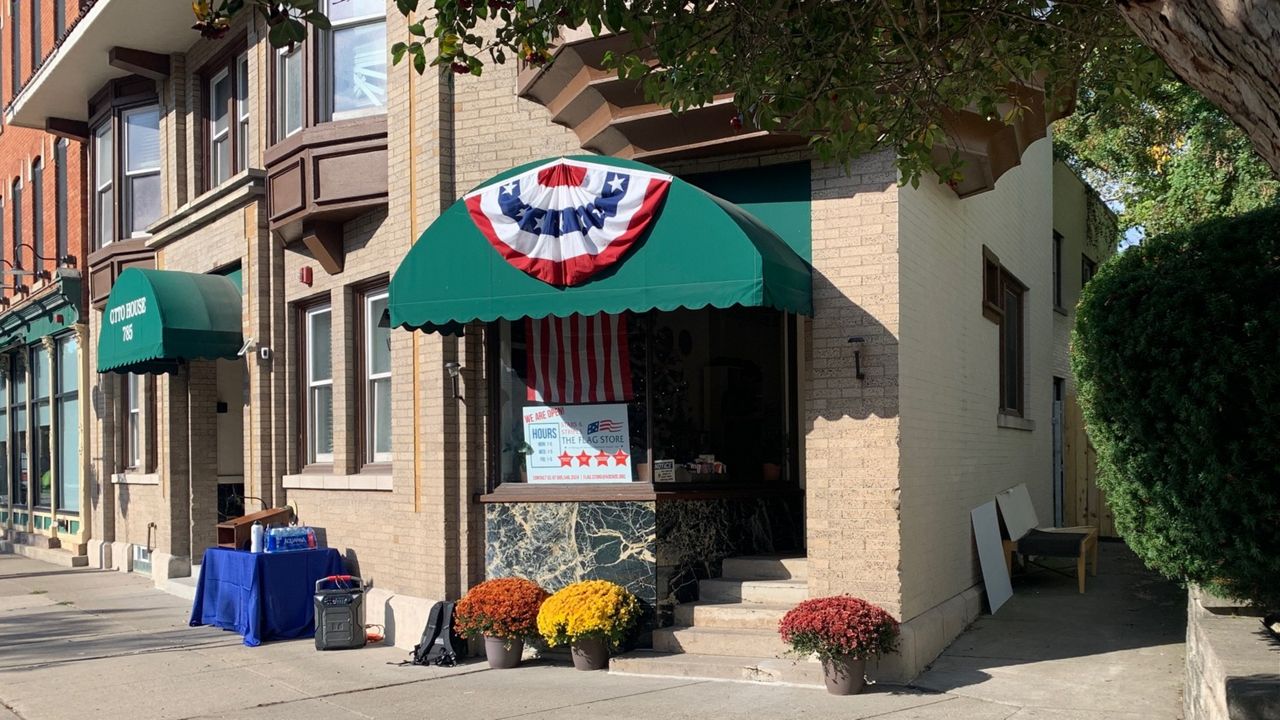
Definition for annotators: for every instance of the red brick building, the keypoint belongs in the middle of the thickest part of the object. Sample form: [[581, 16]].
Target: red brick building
[[42, 253]]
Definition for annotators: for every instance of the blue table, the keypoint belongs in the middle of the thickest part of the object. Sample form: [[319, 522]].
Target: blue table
[[261, 596]]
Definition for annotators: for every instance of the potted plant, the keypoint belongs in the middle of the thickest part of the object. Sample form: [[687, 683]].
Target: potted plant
[[844, 632], [593, 616], [503, 611]]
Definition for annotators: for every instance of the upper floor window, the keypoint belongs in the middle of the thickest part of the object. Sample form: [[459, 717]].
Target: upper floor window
[[35, 35], [228, 125], [59, 18], [60, 198], [356, 58], [141, 151], [104, 184], [15, 46], [289, 97], [1057, 270], [1087, 270], [37, 206], [133, 164], [17, 222], [1003, 302]]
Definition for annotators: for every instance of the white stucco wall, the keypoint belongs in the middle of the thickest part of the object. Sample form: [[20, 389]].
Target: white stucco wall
[[954, 457]]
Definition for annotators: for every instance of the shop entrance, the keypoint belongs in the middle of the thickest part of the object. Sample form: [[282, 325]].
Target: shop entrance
[[232, 399]]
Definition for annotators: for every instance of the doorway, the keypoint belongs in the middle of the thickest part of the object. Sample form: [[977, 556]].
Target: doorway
[[232, 391]]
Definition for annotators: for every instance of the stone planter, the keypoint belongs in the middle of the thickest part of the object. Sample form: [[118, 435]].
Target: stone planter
[[500, 656], [844, 675], [590, 653]]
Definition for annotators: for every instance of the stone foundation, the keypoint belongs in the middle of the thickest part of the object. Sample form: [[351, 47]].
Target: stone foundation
[[1233, 665]]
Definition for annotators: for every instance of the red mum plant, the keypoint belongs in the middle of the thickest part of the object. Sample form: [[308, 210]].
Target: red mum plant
[[839, 627], [504, 608]]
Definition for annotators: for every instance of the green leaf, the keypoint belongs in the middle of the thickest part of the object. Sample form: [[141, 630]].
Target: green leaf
[[420, 61], [417, 29], [319, 20], [397, 52]]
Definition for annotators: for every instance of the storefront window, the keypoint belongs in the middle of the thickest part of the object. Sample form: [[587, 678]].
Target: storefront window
[[43, 425], [319, 379], [705, 396], [68, 401], [4, 438], [18, 437], [377, 381]]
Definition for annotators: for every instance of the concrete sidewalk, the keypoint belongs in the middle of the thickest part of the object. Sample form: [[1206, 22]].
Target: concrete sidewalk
[[93, 644]]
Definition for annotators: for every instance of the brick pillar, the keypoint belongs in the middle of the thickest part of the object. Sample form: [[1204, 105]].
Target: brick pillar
[[202, 437]]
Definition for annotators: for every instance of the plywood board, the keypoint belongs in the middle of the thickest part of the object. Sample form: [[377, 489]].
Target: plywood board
[[995, 574], [1018, 512]]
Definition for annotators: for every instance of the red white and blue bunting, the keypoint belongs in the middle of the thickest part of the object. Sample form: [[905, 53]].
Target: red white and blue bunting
[[564, 221]]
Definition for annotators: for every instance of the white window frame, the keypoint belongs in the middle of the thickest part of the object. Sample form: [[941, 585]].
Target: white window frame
[[283, 129], [129, 175], [133, 420], [241, 96], [104, 212], [219, 175], [313, 455], [371, 378], [327, 65]]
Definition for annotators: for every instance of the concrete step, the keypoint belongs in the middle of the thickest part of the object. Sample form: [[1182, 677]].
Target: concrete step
[[769, 592], [765, 567], [719, 641], [53, 556], [744, 616], [718, 667], [183, 587]]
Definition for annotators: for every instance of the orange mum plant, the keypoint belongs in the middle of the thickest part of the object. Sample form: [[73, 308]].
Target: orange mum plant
[[504, 608]]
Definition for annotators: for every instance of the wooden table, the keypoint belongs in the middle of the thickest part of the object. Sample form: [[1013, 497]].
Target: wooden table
[[1088, 550]]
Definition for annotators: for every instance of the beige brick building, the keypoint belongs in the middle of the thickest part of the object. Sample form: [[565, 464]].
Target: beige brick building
[[854, 435]]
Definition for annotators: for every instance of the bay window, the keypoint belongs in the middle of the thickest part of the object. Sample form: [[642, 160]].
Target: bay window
[[289, 94], [356, 58], [141, 171], [318, 378], [376, 381], [242, 111], [104, 185]]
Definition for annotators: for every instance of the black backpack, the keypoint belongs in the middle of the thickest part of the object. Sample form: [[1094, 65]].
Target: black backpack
[[440, 643]]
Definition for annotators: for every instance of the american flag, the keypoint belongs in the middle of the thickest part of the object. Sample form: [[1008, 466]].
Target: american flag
[[578, 359], [605, 425]]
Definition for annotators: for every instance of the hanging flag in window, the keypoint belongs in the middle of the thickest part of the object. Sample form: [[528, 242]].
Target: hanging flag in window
[[578, 359], [564, 221]]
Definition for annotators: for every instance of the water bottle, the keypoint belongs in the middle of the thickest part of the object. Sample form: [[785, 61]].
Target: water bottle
[[255, 537]]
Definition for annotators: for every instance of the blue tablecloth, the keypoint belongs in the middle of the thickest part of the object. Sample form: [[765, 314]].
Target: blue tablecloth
[[263, 596]]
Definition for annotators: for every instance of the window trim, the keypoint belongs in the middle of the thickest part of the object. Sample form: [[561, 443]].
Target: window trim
[[104, 129], [279, 131], [1018, 406], [134, 395], [992, 306], [226, 64], [368, 458], [308, 457]]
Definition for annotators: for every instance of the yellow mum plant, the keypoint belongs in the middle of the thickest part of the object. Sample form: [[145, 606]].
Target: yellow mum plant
[[589, 608]]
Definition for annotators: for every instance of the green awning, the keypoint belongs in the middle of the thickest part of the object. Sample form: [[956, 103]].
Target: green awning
[[700, 251], [51, 310], [156, 318]]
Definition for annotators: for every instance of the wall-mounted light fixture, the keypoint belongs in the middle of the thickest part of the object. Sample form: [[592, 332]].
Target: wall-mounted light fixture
[[858, 344], [454, 369]]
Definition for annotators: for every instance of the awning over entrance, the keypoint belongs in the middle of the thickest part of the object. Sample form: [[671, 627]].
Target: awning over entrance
[[697, 251], [155, 318]]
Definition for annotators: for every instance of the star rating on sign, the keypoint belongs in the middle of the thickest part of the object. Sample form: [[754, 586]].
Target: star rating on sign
[[566, 460], [584, 459], [602, 458], [620, 457]]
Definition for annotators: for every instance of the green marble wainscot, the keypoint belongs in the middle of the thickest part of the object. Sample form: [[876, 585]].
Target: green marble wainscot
[[557, 543], [696, 535]]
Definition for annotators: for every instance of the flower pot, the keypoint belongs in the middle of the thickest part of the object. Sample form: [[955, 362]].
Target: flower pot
[[500, 656], [589, 653], [844, 675]]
